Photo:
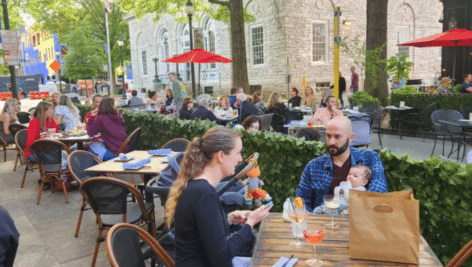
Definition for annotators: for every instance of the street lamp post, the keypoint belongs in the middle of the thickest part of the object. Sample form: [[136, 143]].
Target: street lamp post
[[189, 9], [121, 43], [58, 53], [156, 80]]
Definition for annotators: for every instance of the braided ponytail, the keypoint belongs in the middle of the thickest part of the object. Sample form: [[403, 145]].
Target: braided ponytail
[[197, 156]]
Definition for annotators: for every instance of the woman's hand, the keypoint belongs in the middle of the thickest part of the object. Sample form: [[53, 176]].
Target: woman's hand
[[238, 216], [258, 215]]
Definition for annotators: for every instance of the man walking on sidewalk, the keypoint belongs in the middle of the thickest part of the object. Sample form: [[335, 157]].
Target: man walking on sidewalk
[[354, 80]]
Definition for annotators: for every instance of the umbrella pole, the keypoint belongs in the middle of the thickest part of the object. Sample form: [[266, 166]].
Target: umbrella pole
[[454, 67]]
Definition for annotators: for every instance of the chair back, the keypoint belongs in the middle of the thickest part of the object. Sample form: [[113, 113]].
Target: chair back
[[295, 114], [106, 195], [20, 140], [78, 161], [446, 115], [132, 142], [377, 117], [466, 110], [23, 117], [177, 145], [15, 127], [124, 248], [361, 127], [266, 120], [425, 115], [48, 152]]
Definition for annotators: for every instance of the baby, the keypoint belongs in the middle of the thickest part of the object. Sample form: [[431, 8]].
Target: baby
[[359, 176]]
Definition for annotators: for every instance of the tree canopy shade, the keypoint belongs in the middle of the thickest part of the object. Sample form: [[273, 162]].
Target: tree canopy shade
[[83, 19], [229, 11]]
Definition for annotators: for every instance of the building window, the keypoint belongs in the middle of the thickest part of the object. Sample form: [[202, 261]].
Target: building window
[[403, 36], [143, 62], [257, 45], [163, 51], [184, 69], [320, 44], [210, 43]]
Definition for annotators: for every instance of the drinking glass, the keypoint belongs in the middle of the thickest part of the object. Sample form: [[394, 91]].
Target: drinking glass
[[313, 237], [297, 213], [332, 203]]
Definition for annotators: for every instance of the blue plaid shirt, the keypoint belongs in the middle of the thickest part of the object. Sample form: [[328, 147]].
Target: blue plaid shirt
[[318, 176]]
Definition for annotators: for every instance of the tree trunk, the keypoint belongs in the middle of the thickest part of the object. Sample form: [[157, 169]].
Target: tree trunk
[[238, 44], [376, 37]]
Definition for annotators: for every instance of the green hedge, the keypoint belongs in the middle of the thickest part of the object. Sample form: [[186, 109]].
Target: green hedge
[[443, 188], [420, 101]]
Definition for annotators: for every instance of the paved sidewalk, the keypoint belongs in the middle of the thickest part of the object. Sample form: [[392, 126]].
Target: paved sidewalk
[[47, 230]]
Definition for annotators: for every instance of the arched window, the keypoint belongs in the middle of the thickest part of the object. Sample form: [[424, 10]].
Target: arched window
[[184, 69], [163, 50], [210, 42]]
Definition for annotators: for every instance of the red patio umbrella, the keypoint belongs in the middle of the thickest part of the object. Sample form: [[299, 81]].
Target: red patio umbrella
[[198, 55], [452, 38]]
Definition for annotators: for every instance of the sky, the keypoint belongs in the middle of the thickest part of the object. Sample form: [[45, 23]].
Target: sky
[[27, 19]]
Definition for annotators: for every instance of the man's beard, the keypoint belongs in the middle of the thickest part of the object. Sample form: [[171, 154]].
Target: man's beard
[[339, 150]]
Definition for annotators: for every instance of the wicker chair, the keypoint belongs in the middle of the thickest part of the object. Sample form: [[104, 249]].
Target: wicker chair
[[461, 256], [77, 162], [124, 248], [177, 145], [23, 117], [14, 128], [48, 154], [20, 140], [132, 142], [108, 199]]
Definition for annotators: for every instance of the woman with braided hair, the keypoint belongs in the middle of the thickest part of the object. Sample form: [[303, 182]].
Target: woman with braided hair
[[193, 205]]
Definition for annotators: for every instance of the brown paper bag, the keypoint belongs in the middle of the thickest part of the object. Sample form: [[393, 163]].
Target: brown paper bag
[[384, 226]]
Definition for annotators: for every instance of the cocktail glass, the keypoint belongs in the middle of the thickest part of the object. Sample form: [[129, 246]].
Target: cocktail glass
[[313, 237], [332, 203], [297, 213]]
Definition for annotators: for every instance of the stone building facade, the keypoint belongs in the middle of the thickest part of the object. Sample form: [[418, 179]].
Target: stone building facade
[[289, 37]]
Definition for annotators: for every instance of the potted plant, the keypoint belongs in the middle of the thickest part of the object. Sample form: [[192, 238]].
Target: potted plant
[[398, 67]]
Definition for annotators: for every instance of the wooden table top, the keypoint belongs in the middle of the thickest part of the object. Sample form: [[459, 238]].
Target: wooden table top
[[275, 235], [112, 166]]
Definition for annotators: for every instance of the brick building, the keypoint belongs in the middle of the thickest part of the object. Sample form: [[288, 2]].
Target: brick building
[[289, 37]]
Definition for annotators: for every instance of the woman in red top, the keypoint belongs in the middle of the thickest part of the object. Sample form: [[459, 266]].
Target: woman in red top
[[39, 125]]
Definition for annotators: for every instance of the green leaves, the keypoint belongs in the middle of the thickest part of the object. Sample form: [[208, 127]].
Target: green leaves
[[443, 188], [359, 98]]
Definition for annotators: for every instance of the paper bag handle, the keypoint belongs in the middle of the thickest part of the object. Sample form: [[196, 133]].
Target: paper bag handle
[[384, 208]]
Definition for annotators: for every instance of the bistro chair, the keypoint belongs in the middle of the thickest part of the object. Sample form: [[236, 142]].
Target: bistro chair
[[421, 120], [132, 142], [124, 246], [442, 130], [4, 144], [294, 114], [77, 162], [48, 154], [108, 199], [266, 120], [461, 256], [14, 128], [466, 110], [361, 127], [20, 140], [23, 117], [177, 145]]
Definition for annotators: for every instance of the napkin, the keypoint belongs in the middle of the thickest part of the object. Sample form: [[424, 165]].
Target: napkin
[[123, 156], [136, 164], [160, 152], [283, 260], [241, 261], [167, 158]]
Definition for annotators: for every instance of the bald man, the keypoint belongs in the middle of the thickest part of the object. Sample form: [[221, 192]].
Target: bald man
[[324, 173]]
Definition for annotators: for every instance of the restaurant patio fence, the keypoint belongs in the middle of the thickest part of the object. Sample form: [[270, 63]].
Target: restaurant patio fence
[[442, 187]]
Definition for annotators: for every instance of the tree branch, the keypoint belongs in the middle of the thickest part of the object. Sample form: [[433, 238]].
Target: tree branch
[[219, 2], [247, 4]]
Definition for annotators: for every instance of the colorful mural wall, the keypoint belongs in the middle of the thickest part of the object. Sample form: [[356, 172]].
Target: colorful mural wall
[[39, 51]]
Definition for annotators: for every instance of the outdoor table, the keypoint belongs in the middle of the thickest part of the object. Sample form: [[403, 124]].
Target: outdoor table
[[275, 235], [226, 119], [153, 168], [306, 110], [467, 124], [294, 126], [390, 108], [348, 111], [79, 139]]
